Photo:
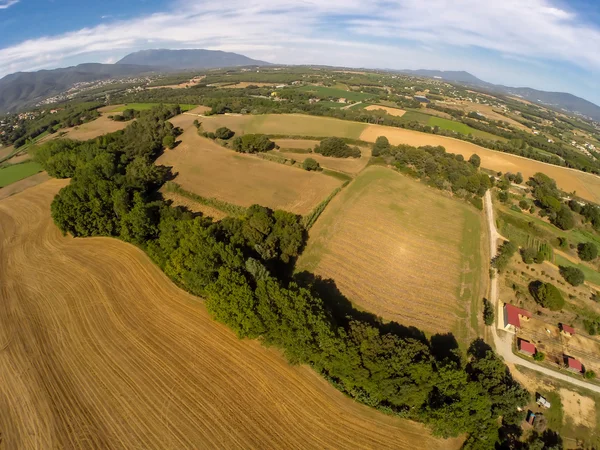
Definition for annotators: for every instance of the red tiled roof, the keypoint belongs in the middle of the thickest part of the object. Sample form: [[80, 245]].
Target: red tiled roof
[[568, 329], [574, 364], [512, 314], [527, 347]]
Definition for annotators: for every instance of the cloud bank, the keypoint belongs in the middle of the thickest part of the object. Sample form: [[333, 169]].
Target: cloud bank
[[4, 4], [377, 33]]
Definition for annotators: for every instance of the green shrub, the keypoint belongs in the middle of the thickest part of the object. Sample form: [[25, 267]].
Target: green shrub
[[539, 356], [310, 164], [224, 133], [488, 312], [587, 251], [572, 275], [337, 148], [547, 295], [589, 374], [252, 143]]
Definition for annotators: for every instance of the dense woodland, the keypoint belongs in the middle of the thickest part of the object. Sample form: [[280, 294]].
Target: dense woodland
[[243, 267]]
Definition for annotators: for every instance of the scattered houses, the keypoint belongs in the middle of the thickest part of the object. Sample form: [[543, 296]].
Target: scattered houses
[[526, 348], [566, 330], [573, 365]]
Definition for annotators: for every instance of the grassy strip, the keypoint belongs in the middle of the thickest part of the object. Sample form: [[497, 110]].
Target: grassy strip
[[318, 138], [309, 220], [296, 150], [590, 274], [147, 106], [228, 208], [338, 175], [17, 172]]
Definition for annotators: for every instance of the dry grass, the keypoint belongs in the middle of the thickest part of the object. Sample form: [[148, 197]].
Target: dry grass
[[400, 250], [578, 409], [210, 170], [586, 185], [23, 184], [287, 124], [347, 165], [5, 151], [101, 350], [391, 111], [296, 143], [102, 125], [180, 200]]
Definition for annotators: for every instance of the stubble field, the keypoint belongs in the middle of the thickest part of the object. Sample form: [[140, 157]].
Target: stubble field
[[207, 169], [90, 130], [586, 185], [101, 350], [400, 250]]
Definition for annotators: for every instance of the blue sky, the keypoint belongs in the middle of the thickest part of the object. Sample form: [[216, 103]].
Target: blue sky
[[545, 44]]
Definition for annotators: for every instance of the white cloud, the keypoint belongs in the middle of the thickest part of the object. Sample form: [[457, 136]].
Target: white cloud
[[4, 4], [391, 33]]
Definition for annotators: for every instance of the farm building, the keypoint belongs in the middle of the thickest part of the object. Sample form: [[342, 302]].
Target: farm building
[[530, 417], [567, 330], [526, 348], [421, 98], [513, 317], [573, 365]]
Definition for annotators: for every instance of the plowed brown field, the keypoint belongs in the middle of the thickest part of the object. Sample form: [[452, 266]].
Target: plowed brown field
[[98, 349]]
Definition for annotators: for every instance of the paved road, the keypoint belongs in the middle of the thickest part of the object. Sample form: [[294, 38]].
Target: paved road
[[503, 341]]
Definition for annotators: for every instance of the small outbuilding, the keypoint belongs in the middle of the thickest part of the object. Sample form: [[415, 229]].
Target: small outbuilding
[[421, 98], [566, 330], [526, 348], [574, 365]]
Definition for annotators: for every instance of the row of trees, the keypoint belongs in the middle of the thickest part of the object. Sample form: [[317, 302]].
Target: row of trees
[[242, 267], [548, 197], [337, 148]]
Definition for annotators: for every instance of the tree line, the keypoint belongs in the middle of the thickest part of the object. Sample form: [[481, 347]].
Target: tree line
[[243, 268]]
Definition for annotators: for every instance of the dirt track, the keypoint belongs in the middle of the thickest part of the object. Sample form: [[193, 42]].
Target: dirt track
[[98, 349]]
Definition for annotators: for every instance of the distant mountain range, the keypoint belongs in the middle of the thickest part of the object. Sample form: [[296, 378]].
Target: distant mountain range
[[189, 59], [555, 100], [25, 89]]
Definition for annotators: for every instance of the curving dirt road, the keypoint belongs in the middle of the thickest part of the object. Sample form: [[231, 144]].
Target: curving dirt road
[[503, 340]]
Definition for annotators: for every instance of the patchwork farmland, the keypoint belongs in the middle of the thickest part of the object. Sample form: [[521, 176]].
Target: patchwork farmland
[[102, 350], [207, 169], [401, 250]]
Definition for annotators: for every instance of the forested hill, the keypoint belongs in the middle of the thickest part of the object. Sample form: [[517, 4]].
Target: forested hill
[[189, 59], [25, 89]]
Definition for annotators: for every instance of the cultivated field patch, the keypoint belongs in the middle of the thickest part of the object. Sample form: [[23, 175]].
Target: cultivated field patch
[[13, 173], [90, 130], [207, 169], [346, 165], [586, 185], [286, 124], [578, 409], [101, 350], [400, 250], [391, 111]]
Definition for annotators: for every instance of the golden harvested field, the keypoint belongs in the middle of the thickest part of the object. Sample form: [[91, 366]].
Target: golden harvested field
[[5, 151], [287, 124], [245, 84], [209, 170], [193, 82], [21, 185], [102, 125], [101, 350], [391, 111], [348, 165], [401, 250], [586, 185], [296, 143]]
